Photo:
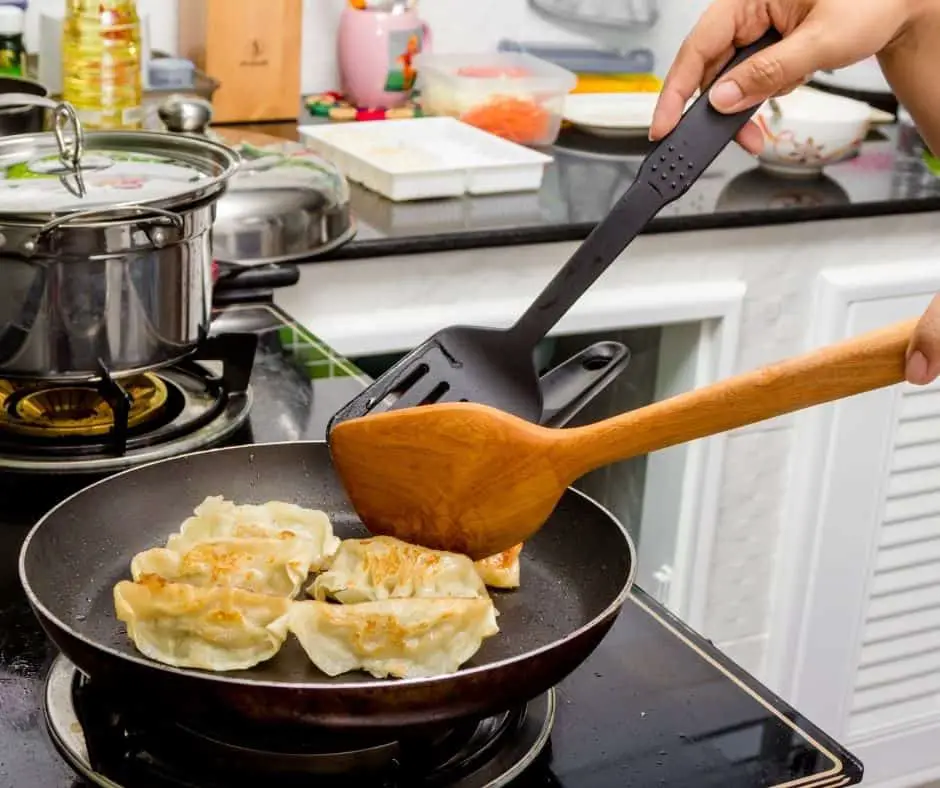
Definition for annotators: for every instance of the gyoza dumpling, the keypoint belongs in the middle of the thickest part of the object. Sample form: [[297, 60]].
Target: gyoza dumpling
[[265, 566], [209, 628], [500, 570], [382, 567], [217, 518], [404, 638]]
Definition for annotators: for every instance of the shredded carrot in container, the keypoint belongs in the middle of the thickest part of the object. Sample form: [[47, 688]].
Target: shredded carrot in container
[[491, 72], [514, 119]]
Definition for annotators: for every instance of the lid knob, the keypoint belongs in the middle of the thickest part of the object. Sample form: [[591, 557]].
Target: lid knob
[[185, 114]]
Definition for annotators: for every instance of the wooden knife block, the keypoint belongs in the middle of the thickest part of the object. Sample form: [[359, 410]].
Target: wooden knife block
[[253, 47]]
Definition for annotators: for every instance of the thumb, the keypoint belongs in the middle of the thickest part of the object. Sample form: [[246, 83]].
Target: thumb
[[769, 71], [923, 354]]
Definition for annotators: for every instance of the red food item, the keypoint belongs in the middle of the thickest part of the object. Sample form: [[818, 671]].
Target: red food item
[[491, 72], [370, 114], [515, 119]]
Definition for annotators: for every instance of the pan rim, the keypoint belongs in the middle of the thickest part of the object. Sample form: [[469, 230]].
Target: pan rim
[[346, 686]]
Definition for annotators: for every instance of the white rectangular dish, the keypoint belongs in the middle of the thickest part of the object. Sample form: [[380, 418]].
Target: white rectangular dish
[[422, 158]]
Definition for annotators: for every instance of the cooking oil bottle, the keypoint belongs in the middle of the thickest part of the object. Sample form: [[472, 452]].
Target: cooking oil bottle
[[101, 63]]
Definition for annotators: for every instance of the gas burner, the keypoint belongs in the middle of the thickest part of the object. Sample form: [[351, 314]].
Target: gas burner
[[112, 424], [50, 411], [113, 747]]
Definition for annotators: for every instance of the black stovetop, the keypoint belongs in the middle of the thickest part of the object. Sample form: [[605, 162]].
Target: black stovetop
[[655, 705]]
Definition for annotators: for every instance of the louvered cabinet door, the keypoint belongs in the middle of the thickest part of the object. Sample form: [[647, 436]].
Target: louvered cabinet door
[[866, 574]]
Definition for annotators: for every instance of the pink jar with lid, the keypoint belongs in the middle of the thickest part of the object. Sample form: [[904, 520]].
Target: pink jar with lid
[[376, 49]]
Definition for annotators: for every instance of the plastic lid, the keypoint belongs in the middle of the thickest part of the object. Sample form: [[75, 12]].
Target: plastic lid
[[171, 64], [12, 20]]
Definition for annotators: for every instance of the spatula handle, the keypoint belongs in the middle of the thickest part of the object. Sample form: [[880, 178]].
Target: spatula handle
[[857, 365], [665, 175]]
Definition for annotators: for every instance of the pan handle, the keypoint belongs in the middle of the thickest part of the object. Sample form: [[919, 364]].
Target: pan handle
[[569, 387]]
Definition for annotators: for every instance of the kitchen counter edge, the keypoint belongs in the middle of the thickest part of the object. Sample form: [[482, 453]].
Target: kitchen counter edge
[[451, 241]]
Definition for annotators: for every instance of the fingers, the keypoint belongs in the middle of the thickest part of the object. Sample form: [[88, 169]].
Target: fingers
[[770, 71], [923, 354], [751, 138], [709, 41]]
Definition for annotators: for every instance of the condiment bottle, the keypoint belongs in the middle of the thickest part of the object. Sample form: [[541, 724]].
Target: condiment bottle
[[12, 49], [101, 63]]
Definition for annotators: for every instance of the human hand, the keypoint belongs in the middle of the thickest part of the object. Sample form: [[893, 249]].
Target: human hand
[[923, 353], [817, 34]]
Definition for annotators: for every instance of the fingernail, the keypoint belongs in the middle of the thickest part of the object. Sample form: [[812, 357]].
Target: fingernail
[[917, 369], [726, 95]]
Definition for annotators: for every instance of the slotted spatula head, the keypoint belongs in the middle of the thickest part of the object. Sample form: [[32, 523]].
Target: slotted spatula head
[[458, 364]]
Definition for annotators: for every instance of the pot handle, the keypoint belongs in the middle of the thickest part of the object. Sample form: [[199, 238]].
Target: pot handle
[[174, 218], [27, 100], [143, 210], [64, 115]]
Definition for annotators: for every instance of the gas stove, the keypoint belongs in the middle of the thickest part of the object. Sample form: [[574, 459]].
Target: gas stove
[[655, 705], [112, 424], [111, 744]]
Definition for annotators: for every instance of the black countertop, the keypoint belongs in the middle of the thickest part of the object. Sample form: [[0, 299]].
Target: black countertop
[[589, 174]]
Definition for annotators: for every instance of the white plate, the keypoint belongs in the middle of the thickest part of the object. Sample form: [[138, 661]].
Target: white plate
[[611, 114]]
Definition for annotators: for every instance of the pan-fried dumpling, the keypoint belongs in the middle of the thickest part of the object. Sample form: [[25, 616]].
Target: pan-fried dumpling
[[382, 567], [404, 638], [500, 570], [217, 518], [265, 566], [208, 628]]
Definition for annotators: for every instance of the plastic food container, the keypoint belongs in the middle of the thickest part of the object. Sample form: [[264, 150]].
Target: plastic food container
[[510, 94], [424, 158], [171, 72]]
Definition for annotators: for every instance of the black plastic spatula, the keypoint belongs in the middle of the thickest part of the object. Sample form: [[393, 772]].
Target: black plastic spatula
[[495, 366]]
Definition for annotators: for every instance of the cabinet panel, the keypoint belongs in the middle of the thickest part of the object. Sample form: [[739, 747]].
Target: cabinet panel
[[894, 687], [866, 473]]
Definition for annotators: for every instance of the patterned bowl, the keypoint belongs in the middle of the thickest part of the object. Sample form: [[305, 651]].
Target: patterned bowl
[[809, 129]]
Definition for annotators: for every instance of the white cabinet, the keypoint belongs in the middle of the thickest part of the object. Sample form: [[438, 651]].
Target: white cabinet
[[855, 642]]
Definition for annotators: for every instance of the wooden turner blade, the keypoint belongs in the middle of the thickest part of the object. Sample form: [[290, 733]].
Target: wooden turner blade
[[472, 479]]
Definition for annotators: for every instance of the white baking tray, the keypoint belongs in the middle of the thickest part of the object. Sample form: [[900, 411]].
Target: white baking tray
[[421, 158]]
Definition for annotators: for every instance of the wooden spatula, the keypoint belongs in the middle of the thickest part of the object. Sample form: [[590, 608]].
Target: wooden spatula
[[475, 480]]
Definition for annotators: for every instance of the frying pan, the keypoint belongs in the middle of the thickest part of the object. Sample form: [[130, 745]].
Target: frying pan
[[576, 574]]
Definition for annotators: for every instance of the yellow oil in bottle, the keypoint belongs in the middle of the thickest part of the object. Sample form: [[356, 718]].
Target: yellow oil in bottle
[[101, 63]]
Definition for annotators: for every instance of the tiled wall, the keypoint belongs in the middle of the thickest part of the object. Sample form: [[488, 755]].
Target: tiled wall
[[458, 25]]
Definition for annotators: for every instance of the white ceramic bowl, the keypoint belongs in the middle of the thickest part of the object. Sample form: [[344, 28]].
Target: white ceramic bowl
[[811, 130]]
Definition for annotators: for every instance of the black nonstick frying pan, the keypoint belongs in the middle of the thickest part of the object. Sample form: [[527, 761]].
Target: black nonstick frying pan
[[576, 575]]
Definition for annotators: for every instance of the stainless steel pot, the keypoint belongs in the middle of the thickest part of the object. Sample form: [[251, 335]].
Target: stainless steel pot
[[284, 204], [95, 283]]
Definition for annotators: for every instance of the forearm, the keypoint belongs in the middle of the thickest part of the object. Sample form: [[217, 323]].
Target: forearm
[[912, 67]]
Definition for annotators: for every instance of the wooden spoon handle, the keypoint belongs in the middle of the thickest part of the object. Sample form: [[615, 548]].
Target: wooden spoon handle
[[856, 365]]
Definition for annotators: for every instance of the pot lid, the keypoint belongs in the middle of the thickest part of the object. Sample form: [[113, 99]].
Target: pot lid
[[285, 203], [68, 171]]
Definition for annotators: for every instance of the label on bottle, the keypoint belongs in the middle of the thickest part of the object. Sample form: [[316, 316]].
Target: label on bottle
[[12, 56]]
